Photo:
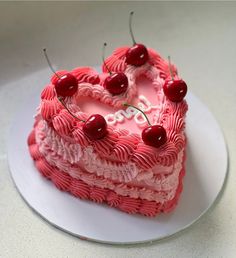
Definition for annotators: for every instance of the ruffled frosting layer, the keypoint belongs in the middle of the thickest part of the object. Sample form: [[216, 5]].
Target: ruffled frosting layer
[[82, 190], [141, 184], [64, 152]]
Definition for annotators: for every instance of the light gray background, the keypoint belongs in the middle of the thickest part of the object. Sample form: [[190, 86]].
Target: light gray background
[[200, 37]]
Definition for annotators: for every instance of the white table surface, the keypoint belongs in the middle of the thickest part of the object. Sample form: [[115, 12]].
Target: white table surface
[[200, 37]]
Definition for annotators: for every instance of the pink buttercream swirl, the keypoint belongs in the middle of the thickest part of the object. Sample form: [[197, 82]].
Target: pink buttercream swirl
[[82, 190], [48, 92], [63, 155], [86, 74], [64, 123], [116, 62]]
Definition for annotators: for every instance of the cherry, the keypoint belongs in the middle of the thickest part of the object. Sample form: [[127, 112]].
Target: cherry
[[153, 135], [138, 54], [66, 85], [175, 90], [115, 83], [95, 127]]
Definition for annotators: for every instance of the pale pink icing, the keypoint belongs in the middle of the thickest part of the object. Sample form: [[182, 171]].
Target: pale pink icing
[[160, 195], [58, 159], [48, 140], [80, 189]]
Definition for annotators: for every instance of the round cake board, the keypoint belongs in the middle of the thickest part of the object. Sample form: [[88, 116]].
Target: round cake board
[[206, 170]]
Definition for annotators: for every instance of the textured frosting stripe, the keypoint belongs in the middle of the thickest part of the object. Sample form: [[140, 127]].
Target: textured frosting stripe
[[157, 188], [86, 74], [116, 62], [82, 190], [66, 153]]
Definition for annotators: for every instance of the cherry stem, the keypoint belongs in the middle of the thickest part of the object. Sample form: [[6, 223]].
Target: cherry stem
[[171, 72], [49, 63], [130, 27], [103, 58], [64, 105], [128, 105]]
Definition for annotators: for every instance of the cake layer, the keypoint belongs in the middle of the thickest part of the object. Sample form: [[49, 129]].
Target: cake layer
[[80, 189]]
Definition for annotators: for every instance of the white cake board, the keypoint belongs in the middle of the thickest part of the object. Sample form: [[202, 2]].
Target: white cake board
[[205, 175]]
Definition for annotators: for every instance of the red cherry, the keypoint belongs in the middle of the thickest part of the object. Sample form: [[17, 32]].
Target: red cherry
[[66, 85], [137, 55], [95, 127], [116, 83], [175, 90], [154, 135]]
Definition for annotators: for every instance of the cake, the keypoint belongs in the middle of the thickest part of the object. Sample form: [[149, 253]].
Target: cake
[[115, 137]]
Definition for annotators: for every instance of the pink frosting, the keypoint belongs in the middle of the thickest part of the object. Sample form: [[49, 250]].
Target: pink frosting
[[64, 153], [98, 92], [146, 185], [64, 123], [116, 62], [79, 189], [86, 74], [48, 92], [82, 190]]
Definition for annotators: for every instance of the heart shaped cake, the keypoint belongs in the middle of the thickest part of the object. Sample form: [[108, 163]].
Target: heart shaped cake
[[115, 137], [116, 165]]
